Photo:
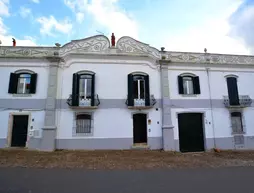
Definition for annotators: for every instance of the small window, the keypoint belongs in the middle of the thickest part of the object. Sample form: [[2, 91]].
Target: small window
[[24, 81], [83, 124], [188, 85], [236, 121]]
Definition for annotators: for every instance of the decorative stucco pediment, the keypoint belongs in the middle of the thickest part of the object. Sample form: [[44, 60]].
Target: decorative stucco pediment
[[98, 43], [129, 45]]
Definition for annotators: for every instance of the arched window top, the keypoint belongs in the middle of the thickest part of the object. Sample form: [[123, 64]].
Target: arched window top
[[188, 75], [231, 76], [24, 71], [83, 116], [85, 72], [139, 74]]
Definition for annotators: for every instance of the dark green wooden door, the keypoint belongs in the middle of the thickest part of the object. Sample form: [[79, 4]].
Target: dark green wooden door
[[191, 135], [19, 131], [139, 128]]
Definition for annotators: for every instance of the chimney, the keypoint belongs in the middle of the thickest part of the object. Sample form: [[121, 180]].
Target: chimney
[[13, 42]]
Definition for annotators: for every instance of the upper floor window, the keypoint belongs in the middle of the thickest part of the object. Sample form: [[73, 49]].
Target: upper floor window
[[232, 90], [22, 83], [188, 84], [83, 88], [138, 89]]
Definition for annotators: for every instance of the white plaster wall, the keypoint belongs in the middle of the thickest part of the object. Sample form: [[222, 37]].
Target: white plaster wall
[[207, 121], [173, 84], [219, 84], [110, 83], [110, 79], [42, 79], [109, 123], [38, 122]]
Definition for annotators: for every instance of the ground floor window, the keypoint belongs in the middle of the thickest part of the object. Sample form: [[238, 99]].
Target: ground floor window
[[83, 123], [237, 123]]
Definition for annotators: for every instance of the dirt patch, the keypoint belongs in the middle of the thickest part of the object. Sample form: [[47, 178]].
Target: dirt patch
[[130, 159]]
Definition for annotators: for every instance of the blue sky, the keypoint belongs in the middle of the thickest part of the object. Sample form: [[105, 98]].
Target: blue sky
[[222, 26]]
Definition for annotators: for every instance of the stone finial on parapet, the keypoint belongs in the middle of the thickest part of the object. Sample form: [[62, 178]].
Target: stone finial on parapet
[[13, 42], [113, 40]]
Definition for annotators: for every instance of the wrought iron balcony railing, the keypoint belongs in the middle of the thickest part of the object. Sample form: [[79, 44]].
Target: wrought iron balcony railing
[[244, 101], [83, 102], [141, 102]]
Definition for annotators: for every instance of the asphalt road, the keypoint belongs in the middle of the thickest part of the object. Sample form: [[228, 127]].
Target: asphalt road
[[226, 180]]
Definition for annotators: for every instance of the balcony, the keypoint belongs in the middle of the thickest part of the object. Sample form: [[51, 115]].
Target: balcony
[[244, 101], [83, 103], [141, 103]]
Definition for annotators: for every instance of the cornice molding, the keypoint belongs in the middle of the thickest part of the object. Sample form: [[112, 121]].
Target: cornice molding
[[128, 46], [27, 52], [185, 57]]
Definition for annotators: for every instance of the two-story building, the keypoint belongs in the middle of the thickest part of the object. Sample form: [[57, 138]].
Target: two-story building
[[89, 94]]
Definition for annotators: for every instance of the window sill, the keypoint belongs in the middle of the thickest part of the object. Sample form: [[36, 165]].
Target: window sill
[[21, 95], [140, 107], [82, 134], [84, 107], [238, 133], [189, 95]]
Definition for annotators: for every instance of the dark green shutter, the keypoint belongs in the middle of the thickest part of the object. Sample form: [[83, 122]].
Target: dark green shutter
[[180, 85], [75, 90], [130, 90], [33, 83], [13, 83], [232, 91], [93, 90], [196, 85], [147, 91]]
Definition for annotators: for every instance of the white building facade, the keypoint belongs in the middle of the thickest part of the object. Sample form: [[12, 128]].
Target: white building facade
[[88, 94]]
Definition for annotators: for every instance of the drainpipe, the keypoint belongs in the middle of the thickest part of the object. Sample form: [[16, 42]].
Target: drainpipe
[[210, 98]]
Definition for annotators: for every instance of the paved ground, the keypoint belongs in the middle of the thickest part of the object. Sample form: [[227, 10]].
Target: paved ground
[[29, 180]]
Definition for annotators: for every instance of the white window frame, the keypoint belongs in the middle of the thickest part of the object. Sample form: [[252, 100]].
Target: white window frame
[[24, 84], [74, 131], [188, 79]]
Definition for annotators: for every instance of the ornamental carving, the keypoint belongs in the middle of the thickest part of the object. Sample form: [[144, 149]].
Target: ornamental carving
[[25, 52], [209, 58], [130, 45], [97, 43]]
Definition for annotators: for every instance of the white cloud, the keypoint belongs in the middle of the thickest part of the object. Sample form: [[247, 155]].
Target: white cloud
[[107, 14], [242, 26], [80, 17], [50, 24], [4, 10], [6, 38], [35, 1], [24, 12], [213, 34]]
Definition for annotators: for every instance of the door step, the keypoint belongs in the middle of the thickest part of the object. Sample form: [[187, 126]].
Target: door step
[[140, 146]]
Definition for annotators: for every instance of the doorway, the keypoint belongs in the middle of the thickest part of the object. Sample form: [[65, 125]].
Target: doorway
[[19, 130], [140, 128], [191, 134]]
